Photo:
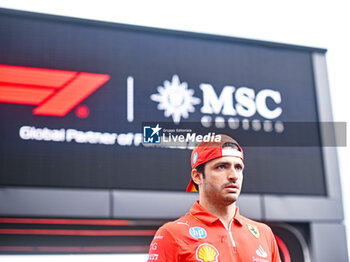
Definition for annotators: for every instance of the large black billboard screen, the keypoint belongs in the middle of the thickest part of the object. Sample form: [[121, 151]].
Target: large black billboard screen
[[74, 95]]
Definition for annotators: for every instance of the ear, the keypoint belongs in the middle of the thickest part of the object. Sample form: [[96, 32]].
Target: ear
[[196, 177]]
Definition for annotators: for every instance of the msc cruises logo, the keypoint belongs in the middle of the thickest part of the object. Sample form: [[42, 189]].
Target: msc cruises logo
[[175, 99], [56, 92], [230, 104]]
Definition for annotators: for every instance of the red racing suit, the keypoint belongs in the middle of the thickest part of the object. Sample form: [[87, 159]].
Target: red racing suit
[[201, 236]]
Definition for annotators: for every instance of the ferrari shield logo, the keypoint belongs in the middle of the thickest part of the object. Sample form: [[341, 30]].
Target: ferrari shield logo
[[254, 230]]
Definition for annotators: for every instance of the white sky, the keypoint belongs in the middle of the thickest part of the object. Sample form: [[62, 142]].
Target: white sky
[[317, 23]]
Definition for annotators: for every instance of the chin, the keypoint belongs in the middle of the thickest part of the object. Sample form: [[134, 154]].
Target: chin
[[230, 199]]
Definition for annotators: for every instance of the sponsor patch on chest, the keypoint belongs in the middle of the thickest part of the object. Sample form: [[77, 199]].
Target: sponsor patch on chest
[[254, 230], [198, 232], [207, 253]]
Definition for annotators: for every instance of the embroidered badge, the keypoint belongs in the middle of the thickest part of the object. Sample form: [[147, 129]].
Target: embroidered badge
[[254, 230], [207, 253], [198, 232], [195, 156]]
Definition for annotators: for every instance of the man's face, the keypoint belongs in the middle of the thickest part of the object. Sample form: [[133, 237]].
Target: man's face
[[223, 180]]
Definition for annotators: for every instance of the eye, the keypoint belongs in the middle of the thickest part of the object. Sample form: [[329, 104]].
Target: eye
[[221, 167], [239, 167]]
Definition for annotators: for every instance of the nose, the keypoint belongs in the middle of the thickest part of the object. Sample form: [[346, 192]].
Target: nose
[[232, 174]]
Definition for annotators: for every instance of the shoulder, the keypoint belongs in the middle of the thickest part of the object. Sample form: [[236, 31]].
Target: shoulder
[[175, 228]]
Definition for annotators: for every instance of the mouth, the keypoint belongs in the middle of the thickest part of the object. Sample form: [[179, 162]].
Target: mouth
[[232, 188]]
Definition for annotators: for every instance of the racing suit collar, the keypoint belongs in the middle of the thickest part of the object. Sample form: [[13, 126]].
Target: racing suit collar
[[199, 213]]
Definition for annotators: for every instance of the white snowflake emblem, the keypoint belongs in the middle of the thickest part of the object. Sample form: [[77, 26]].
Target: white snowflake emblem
[[175, 99]]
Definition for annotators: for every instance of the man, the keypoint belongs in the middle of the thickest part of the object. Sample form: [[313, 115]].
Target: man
[[213, 230]]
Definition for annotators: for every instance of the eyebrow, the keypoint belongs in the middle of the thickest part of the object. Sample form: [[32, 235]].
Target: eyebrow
[[222, 163], [228, 163]]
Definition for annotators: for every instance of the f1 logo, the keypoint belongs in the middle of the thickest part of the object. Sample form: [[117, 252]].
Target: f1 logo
[[56, 92]]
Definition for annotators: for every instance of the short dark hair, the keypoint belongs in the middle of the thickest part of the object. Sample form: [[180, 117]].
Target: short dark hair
[[201, 167]]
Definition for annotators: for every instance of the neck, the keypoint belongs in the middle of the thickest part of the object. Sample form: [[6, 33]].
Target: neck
[[224, 212]]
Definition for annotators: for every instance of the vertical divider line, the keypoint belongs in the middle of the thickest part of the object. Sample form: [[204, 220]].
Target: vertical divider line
[[130, 99]]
